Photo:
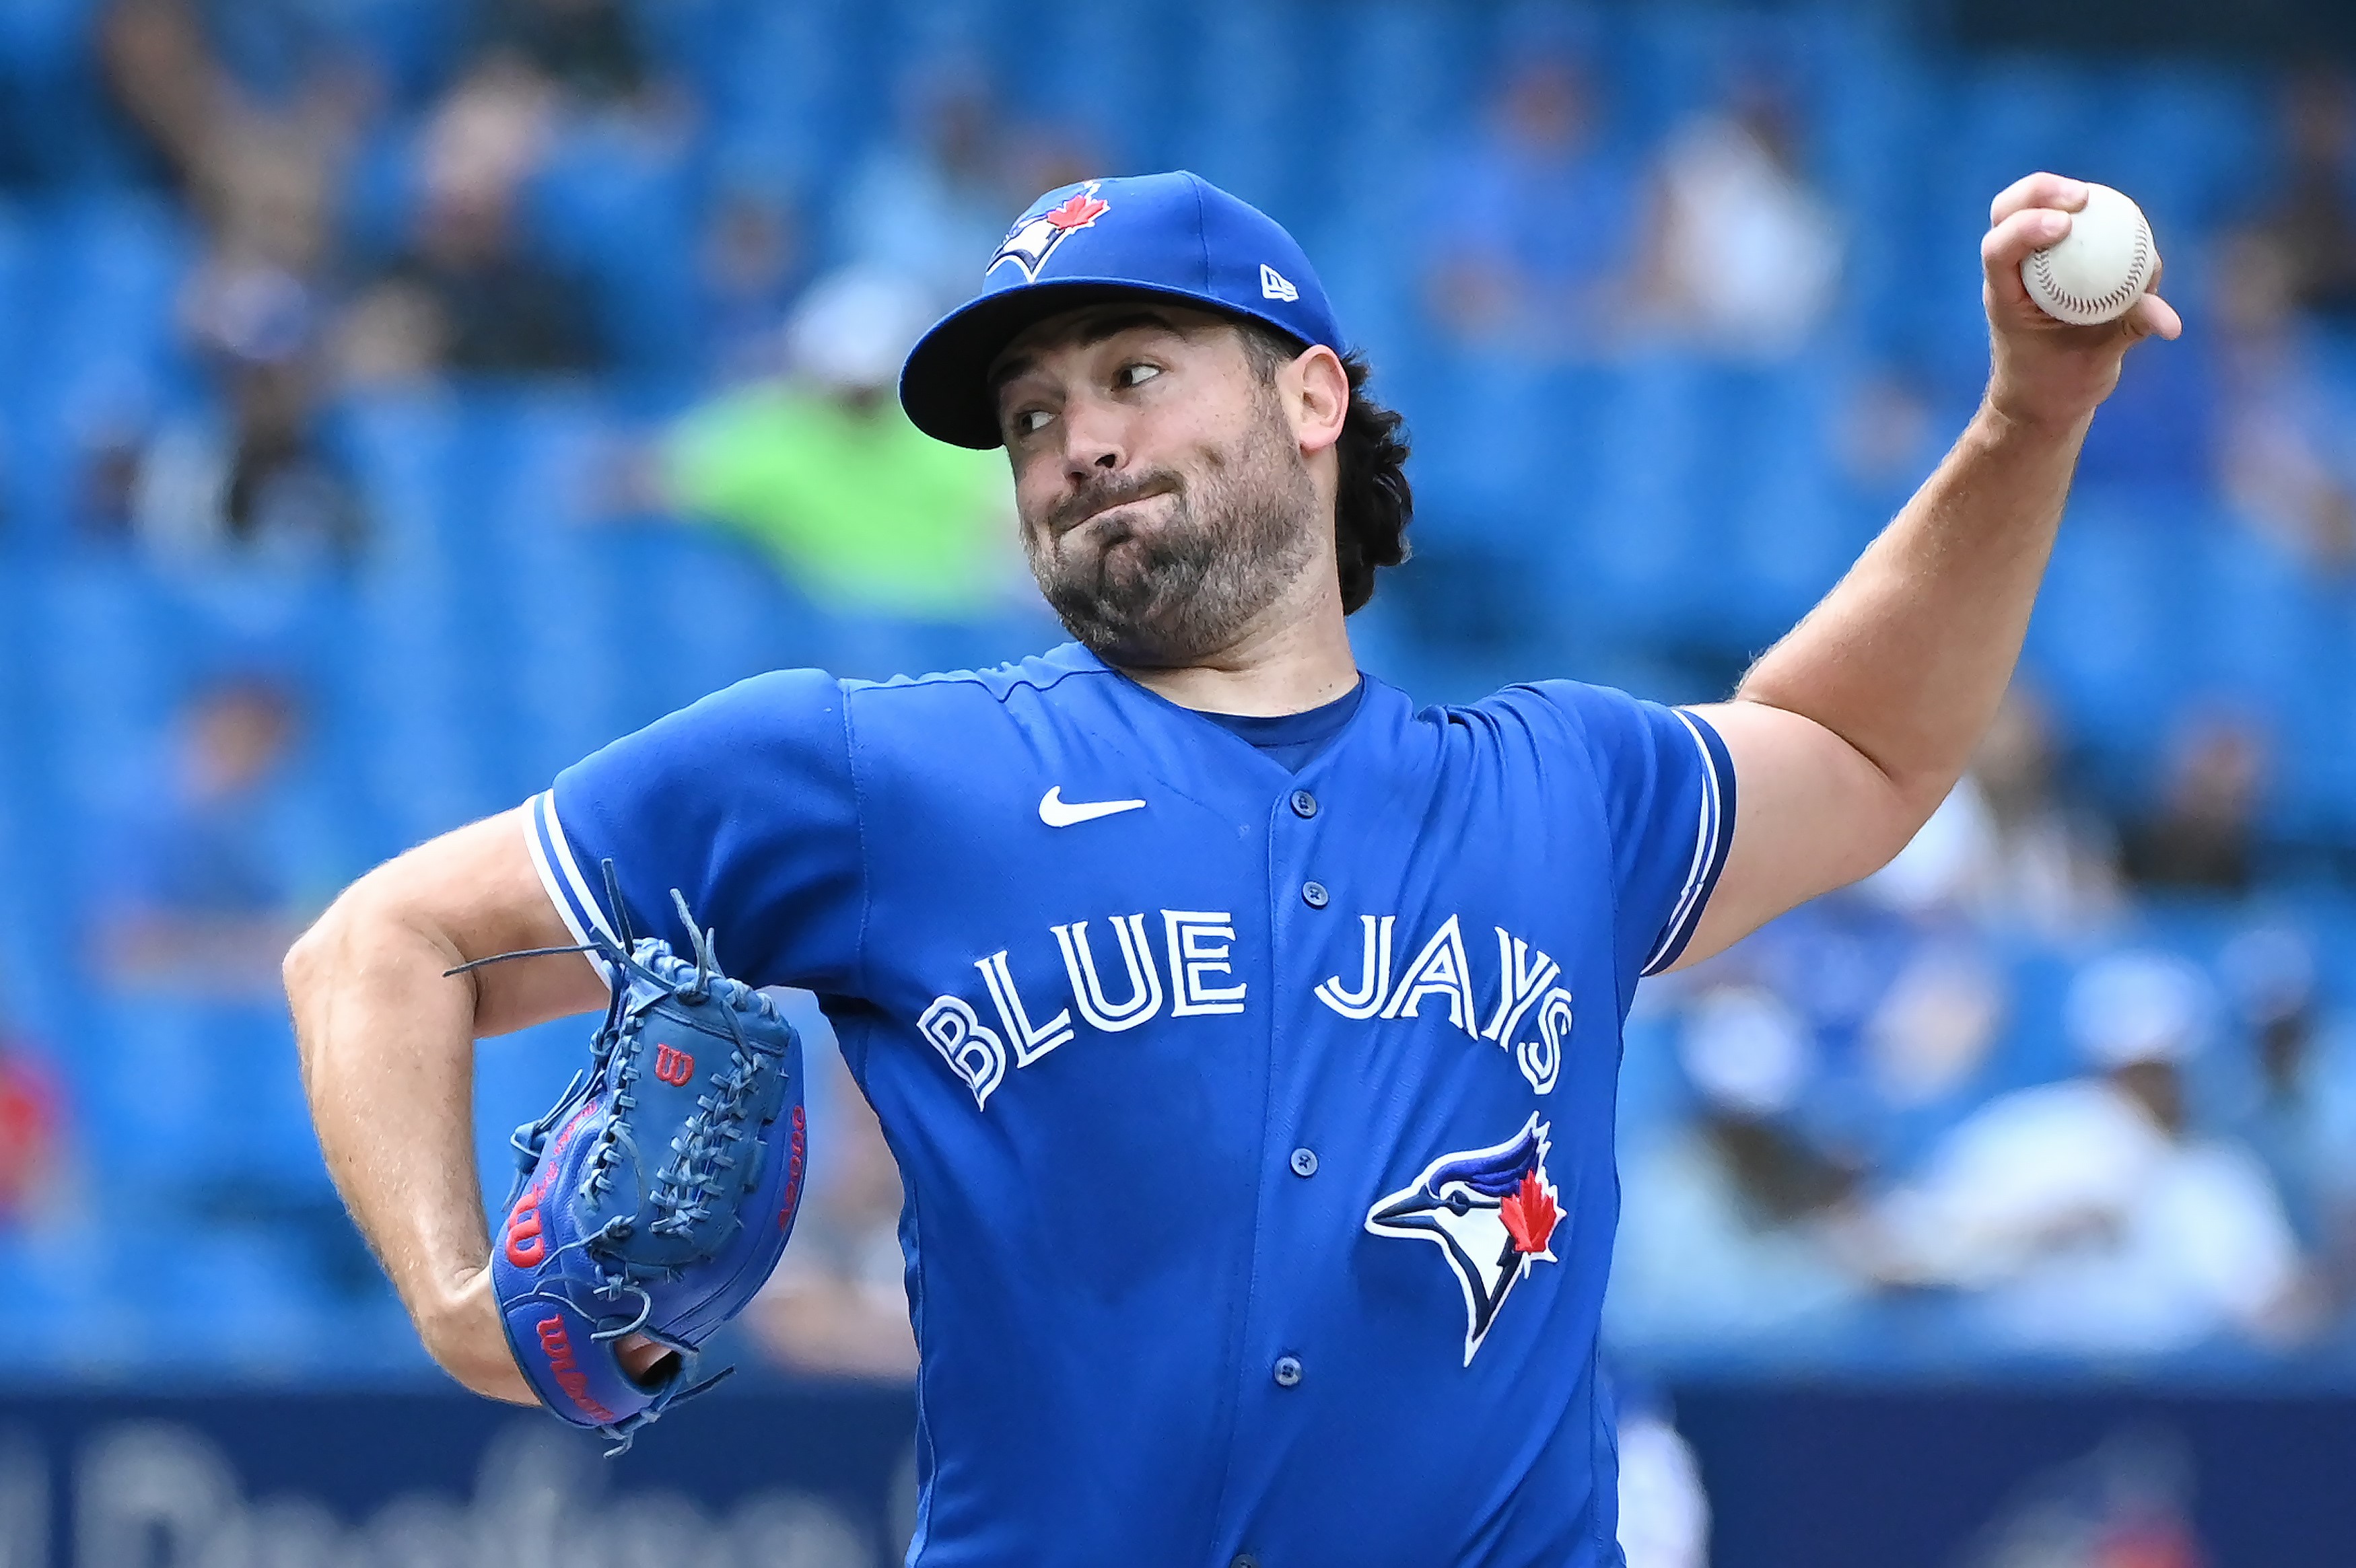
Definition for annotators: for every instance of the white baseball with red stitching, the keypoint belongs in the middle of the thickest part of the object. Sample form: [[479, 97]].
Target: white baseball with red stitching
[[2096, 272]]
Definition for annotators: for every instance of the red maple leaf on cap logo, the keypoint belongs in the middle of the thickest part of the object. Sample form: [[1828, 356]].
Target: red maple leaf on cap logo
[[1529, 1215], [1083, 209]]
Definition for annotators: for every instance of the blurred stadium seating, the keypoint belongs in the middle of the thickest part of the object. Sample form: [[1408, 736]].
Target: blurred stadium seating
[[1651, 518]]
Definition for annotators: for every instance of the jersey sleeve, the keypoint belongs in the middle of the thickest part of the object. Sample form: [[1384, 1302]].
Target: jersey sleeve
[[1667, 790], [745, 803]]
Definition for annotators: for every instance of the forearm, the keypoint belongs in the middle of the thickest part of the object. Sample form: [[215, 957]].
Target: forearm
[[386, 1047], [1907, 659]]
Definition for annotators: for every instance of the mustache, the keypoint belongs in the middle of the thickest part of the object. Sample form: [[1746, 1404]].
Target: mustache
[[1102, 495]]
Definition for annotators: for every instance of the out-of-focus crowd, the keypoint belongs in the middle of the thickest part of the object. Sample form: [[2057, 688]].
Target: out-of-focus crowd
[[2070, 1077], [2017, 1095]]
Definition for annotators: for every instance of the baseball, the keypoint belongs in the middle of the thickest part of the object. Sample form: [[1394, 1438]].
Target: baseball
[[2098, 269]]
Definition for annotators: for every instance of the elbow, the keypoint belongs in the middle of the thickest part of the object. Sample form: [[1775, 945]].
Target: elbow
[[329, 948], [306, 960], [306, 971], [1885, 832]]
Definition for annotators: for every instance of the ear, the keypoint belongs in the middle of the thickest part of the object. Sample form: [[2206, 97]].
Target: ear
[[1317, 396]]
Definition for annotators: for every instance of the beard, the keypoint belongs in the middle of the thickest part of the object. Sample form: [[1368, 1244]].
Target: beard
[[1172, 591]]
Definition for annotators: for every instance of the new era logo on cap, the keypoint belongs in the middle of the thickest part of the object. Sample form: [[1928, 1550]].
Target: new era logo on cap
[[1274, 285]]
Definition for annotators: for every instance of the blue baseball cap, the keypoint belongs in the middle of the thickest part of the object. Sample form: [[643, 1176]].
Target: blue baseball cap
[[1171, 236]]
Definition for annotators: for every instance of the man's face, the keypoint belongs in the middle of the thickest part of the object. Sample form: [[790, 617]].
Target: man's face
[[1165, 499]]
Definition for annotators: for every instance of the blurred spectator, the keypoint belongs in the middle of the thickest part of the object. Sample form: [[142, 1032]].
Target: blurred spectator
[[2280, 447], [1902, 999], [838, 1305], [749, 266], [2312, 224], [2201, 833], [1663, 1512], [258, 166], [1935, 1026], [2053, 867], [826, 474], [197, 894], [2086, 1213], [1745, 254], [255, 478], [1724, 1219], [1897, 982], [31, 1110], [2004, 848], [931, 205], [469, 294], [1531, 229], [2302, 1120], [588, 49]]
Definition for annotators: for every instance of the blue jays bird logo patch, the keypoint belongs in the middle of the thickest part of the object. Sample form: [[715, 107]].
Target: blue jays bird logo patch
[[1492, 1211], [1034, 238]]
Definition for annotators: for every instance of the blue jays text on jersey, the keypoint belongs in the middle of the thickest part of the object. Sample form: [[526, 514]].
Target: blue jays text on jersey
[[1255, 1126]]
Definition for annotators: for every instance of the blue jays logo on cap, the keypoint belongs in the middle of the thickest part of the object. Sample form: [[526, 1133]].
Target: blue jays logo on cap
[[1034, 238], [1492, 1211], [1173, 236]]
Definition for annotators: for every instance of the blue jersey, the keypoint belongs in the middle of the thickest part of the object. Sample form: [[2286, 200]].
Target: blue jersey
[[1256, 1126]]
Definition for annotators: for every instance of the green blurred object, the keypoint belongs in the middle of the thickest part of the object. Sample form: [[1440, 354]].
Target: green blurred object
[[857, 505]]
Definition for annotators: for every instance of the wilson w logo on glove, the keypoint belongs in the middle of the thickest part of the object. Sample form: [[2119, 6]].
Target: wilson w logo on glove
[[643, 1200]]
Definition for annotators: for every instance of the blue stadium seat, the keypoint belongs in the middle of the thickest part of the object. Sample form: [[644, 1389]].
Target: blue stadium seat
[[617, 205], [1646, 558], [2107, 635]]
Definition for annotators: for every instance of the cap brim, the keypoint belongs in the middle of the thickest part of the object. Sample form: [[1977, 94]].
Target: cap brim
[[944, 385]]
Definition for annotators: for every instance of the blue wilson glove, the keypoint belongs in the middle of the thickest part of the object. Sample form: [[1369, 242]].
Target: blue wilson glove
[[655, 1196]]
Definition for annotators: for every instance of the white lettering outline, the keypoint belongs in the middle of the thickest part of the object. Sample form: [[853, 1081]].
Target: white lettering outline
[[950, 1024], [1030, 1043], [1374, 977], [1190, 961], [1523, 984], [1144, 981], [1541, 1064], [1440, 969]]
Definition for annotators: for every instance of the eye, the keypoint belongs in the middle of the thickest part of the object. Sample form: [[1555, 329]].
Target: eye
[[1137, 373], [1031, 421]]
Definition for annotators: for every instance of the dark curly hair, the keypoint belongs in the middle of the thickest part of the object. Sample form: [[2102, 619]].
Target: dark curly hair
[[1373, 504]]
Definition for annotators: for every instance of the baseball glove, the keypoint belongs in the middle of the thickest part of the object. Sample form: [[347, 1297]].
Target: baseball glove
[[655, 1196]]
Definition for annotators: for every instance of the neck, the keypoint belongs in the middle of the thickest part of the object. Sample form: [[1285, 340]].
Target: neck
[[1286, 665]]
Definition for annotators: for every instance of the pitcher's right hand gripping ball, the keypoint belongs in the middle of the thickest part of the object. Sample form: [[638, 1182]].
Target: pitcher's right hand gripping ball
[[657, 1195]]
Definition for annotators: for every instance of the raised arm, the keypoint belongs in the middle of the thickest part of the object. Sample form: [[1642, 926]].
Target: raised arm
[[1849, 733], [388, 1050]]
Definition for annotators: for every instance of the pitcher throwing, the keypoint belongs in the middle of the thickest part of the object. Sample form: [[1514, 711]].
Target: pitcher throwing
[[1246, 1035]]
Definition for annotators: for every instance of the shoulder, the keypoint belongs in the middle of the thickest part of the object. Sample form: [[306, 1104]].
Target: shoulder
[[811, 706], [1580, 702], [791, 719], [766, 705], [1600, 722]]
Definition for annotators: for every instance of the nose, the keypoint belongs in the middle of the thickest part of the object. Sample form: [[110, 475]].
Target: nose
[[1095, 440]]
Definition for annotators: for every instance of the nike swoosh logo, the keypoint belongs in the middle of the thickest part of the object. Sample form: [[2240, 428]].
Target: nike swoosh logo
[[1055, 813]]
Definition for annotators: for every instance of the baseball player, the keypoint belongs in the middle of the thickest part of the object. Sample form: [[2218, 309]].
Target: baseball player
[[1246, 1035]]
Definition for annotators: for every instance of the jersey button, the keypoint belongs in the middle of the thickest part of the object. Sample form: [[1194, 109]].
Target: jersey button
[[1244, 1560], [1303, 803], [1288, 1371], [1313, 894], [1304, 1162]]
